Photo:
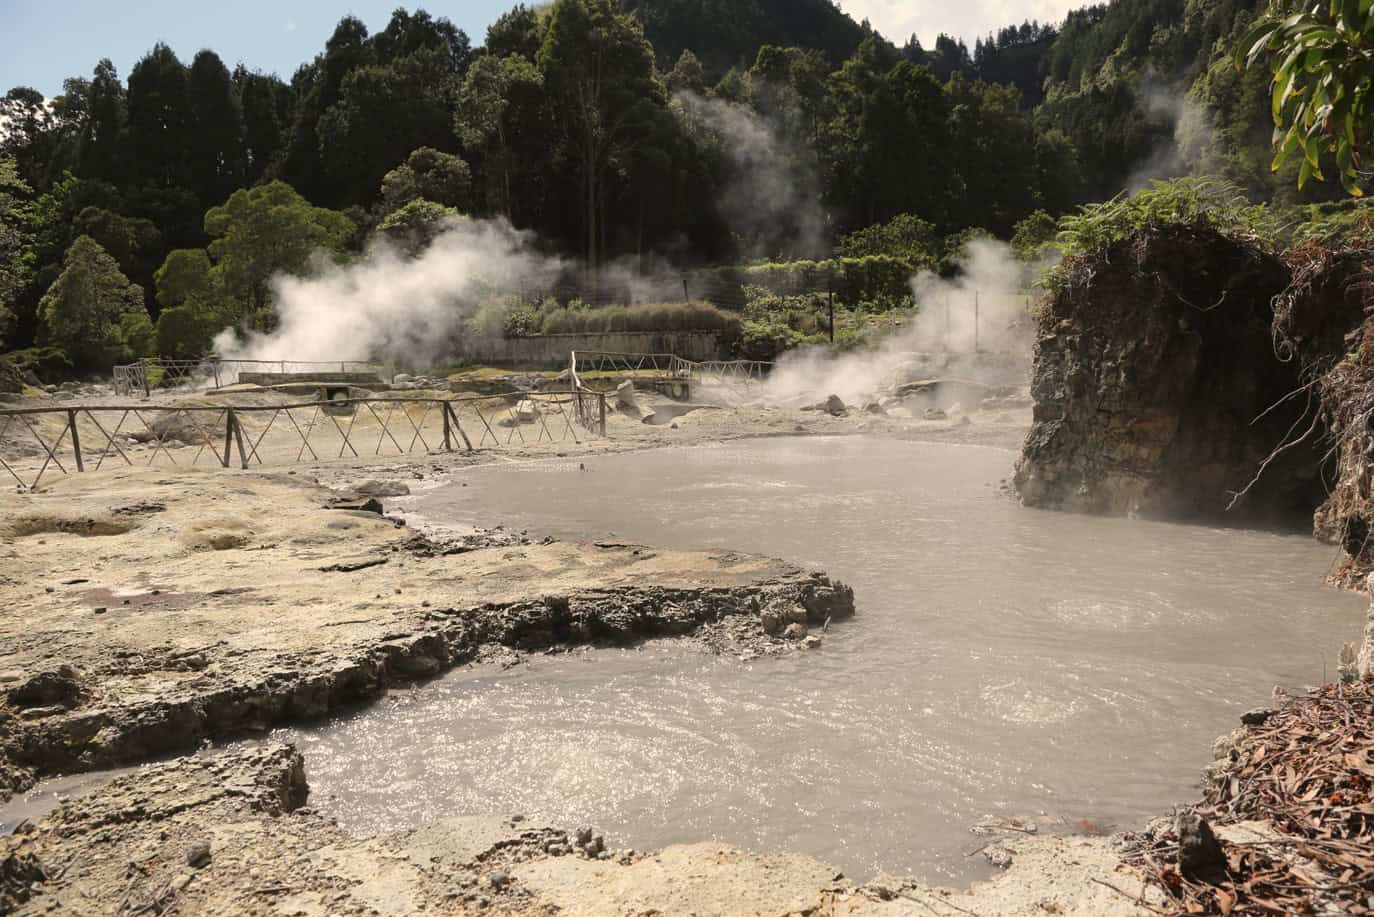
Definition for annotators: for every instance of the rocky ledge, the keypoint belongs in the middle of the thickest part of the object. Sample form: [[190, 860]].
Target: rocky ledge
[[231, 833], [161, 610]]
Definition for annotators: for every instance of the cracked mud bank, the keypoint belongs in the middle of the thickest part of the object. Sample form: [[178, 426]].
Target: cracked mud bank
[[155, 610]]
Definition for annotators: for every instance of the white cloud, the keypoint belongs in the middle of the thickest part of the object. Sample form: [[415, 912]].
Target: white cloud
[[290, 25], [969, 20]]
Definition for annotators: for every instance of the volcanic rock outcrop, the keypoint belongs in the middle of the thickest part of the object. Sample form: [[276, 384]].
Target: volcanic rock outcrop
[[1157, 388]]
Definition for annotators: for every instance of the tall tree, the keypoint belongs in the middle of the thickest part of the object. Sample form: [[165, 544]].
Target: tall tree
[[515, 32], [384, 112], [600, 73], [498, 96], [216, 141], [266, 231], [92, 311], [161, 120], [101, 151], [27, 138], [318, 86], [16, 242], [266, 105]]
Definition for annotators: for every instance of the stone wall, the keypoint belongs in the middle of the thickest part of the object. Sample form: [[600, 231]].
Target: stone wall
[[548, 351]]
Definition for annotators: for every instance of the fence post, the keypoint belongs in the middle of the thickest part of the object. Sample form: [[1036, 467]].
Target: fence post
[[448, 440], [228, 435], [238, 438], [686, 296], [601, 402], [448, 410], [975, 321], [76, 440], [143, 368]]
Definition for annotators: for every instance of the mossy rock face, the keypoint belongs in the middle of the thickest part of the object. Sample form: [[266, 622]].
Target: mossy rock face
[[12, 381]]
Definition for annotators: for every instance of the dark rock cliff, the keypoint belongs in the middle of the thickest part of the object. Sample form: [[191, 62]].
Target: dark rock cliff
[[1157, 388]]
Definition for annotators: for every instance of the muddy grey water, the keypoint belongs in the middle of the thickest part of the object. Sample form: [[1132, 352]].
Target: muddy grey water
[[1003, 661]]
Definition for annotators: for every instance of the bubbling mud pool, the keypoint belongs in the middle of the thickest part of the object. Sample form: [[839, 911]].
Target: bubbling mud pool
[[1003, 662]]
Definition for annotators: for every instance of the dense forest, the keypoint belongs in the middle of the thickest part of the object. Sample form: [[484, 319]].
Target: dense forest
[[138, 214]]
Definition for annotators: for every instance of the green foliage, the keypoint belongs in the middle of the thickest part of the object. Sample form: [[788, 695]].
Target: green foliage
[[186, 332], [774, 322], [46, 364], [184, 277], [266, 231], [905, 236], [1322, 93], [874, 278], [498, 105], [93, 312], [441, 178], [728, 33], [512, 318], [412, 227], [1097, 227], [522, 321], [16, 240], [645, 317], [1341, 225], [1035, 236], [765, 341], [195, 306]]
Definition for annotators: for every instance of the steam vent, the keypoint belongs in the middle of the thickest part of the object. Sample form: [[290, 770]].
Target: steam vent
[[1158, 391]]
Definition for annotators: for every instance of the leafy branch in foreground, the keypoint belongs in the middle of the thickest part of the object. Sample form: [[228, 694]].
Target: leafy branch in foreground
[[1322, 59]]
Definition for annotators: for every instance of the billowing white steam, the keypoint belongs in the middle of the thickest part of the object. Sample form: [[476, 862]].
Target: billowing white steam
[[391, 307], [985, 307], [771, 198]]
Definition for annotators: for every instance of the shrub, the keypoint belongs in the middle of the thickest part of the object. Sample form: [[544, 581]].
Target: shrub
[[1034, 237], [647, 317], [46, 364], [1220, 204], [906, 237]]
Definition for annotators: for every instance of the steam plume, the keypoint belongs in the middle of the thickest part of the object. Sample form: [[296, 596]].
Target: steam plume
[[990, 287]]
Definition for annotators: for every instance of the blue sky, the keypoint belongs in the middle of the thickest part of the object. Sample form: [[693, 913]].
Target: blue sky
[[44, 41]]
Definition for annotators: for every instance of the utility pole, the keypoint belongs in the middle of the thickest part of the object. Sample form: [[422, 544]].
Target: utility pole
[[831, 292]]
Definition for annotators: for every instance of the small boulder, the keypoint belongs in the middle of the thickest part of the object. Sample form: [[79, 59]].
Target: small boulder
[[625, 396], [199, 855], [772, 619], [1257, 717], [998, 856], [794, 632], [834, 406], [934, 414], [1199, 852]]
